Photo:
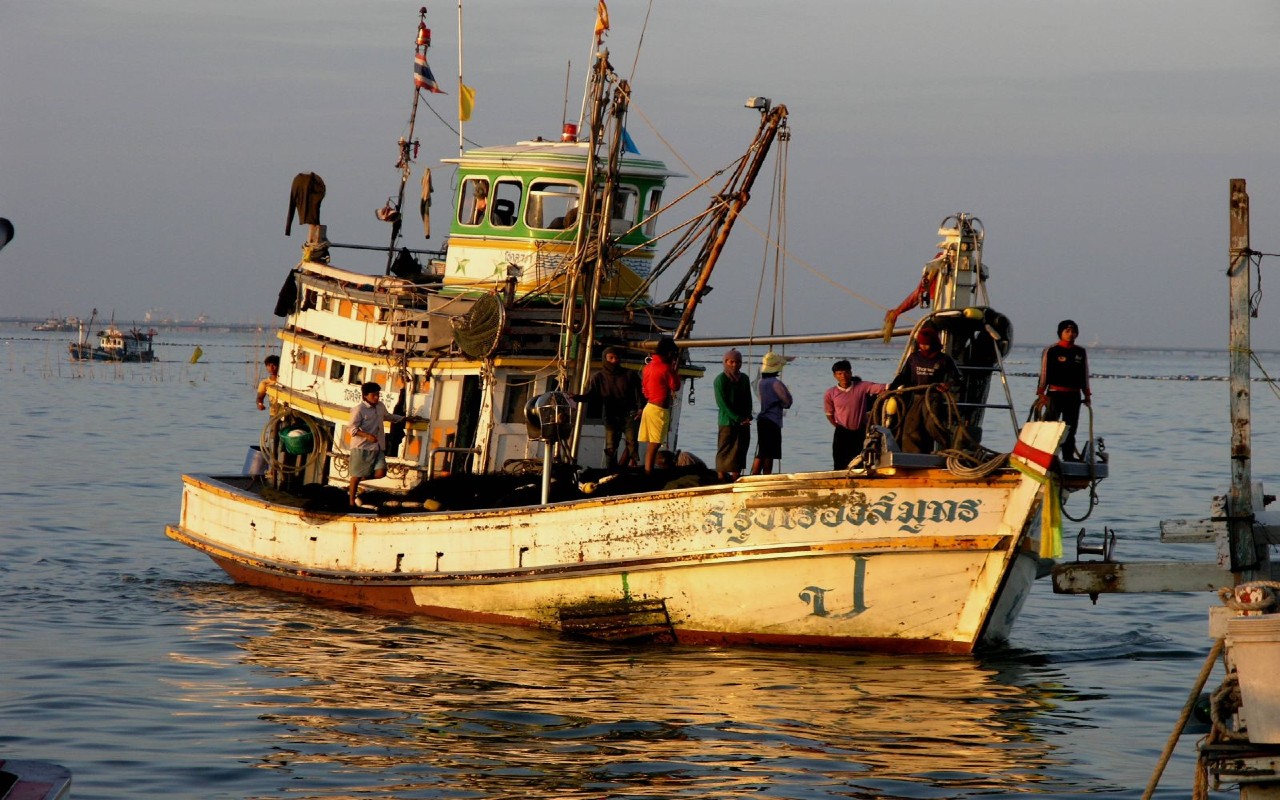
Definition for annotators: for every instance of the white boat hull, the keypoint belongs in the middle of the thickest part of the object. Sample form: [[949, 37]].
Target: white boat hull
[[917, 561]]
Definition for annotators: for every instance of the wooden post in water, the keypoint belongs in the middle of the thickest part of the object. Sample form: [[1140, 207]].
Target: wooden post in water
[[1246, 563]]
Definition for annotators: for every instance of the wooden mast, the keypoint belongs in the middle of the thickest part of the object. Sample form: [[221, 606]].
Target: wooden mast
[[407, 143], [731, 204], [1248, 560]]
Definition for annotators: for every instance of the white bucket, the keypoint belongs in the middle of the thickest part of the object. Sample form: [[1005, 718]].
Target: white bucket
[[255, 463], [1255, 650]]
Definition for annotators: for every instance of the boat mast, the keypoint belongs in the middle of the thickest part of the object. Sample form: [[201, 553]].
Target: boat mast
[[408, 145], [603, 248], [729, 205], [574, 356]]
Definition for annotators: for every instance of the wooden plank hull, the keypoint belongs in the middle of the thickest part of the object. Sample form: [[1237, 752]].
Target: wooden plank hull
[[911, 561]]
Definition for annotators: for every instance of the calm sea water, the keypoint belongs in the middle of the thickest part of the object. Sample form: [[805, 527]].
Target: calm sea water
[[136, 663]]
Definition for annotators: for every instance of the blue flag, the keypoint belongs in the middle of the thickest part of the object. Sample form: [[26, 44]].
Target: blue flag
[[628, 146]]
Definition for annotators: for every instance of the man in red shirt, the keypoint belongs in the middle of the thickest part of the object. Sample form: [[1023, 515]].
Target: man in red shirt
[[659, 383]]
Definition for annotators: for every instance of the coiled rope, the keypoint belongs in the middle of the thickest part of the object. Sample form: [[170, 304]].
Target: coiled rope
[[271, 448]]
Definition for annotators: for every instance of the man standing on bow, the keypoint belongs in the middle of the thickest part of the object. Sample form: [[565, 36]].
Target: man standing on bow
[[1064, 383]]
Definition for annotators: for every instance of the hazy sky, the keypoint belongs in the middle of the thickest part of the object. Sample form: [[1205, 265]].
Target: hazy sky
[[147, 146]]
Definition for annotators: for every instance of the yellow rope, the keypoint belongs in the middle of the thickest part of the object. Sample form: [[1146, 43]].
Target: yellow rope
[[1182, 719]]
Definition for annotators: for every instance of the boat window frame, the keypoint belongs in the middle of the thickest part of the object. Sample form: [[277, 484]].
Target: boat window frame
[[536, 200], [619, 224], [650, 226], [500, 194], [473, 205], [337, 369]]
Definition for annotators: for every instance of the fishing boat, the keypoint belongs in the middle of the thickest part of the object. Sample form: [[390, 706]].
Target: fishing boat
[[498, 505], [133, 345], [58, 324]]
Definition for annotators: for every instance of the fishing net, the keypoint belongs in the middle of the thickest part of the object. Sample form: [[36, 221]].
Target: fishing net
[[477, 332]]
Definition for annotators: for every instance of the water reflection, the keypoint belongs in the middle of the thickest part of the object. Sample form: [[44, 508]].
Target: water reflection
[[418, 708]]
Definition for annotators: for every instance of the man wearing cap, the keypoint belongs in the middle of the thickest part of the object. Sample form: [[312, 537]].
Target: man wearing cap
[[927, 366], [846, 407], [1064, 383], [775, 398], [733, 400]]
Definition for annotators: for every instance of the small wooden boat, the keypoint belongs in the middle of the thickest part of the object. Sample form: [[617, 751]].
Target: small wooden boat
[[33, 780]]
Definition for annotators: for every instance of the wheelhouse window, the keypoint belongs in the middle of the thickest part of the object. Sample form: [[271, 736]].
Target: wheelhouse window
[[553, 205], [506, 204], [473, 203], [651, 215], [626, 204]]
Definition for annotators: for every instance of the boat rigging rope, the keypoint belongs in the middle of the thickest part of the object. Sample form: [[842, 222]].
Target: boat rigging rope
[[1187, 708], [968, 458], [271, 448]]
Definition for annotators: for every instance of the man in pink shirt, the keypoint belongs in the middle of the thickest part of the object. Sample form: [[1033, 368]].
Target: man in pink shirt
[[846, 406]]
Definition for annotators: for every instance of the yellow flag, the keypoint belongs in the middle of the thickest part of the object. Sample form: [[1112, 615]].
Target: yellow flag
[[195, 354], [466, 101], [602, 21]]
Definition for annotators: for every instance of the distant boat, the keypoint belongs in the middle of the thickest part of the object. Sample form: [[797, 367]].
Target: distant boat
[[114, 344], [58, 324]]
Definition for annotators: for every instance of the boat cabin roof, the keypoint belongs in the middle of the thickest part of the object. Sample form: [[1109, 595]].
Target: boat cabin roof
[[544, 155]]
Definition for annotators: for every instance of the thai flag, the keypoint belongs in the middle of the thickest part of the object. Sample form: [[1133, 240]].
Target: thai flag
[[422, 77]]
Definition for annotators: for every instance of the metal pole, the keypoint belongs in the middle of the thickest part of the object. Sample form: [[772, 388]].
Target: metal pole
[[782, 338]]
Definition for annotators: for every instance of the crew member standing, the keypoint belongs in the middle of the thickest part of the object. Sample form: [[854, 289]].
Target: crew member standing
[[846, 407], [616, 390], [775, 399], [733, 401], [1064, 383], [369, 438], [272, 363], [659, 381], [927, 366]]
